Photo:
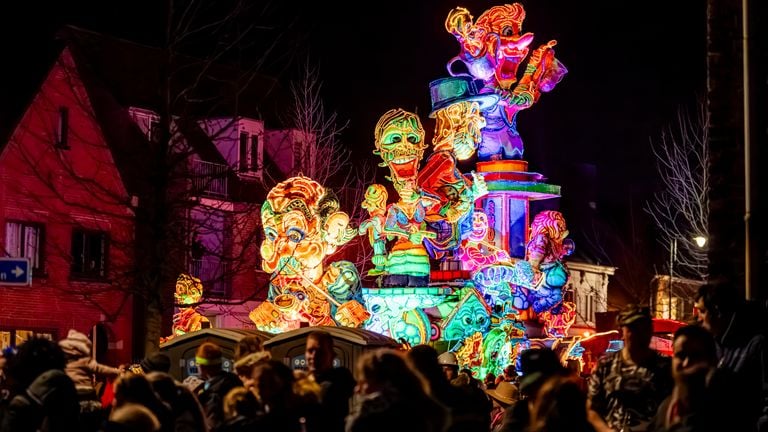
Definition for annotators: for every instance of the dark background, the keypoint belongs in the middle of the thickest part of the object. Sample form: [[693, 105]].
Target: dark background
[[632, 66]]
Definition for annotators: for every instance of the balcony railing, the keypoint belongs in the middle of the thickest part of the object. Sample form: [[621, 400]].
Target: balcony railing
[[214, 274], [209, 178]]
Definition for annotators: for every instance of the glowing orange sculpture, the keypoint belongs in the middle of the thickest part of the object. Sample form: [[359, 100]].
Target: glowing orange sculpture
[[189, 290], [303, 225]]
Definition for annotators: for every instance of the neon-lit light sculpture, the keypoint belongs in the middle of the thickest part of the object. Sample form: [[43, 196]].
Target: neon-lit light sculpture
[[559, 319], [303, 225], [376, 204], [492, 50], [545, 252], [399, 139], [189, 291]]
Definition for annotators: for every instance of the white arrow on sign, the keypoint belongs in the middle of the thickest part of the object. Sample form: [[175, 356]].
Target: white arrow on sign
[[18, 271]]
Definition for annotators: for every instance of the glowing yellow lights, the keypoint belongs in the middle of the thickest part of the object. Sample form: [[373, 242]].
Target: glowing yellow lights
[[700, 241], [302, 226]]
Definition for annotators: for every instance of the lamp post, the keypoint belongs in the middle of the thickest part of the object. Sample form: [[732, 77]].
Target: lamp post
[[672, 257]]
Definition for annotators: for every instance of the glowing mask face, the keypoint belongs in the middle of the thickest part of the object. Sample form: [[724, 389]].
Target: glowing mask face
[[479, 227], [301, 226], [189, 289], [400, 143], [503, 25], [458, 129]]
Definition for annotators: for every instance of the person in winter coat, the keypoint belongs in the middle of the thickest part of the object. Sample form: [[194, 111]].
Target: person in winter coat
[[81, 366]]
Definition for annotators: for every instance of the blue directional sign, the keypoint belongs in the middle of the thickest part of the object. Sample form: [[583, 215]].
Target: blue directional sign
[[15, 272]]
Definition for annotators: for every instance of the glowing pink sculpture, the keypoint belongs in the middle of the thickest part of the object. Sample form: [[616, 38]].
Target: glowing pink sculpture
[[493, 48]]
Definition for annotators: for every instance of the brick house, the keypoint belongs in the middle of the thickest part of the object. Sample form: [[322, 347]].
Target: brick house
[[73, 178]]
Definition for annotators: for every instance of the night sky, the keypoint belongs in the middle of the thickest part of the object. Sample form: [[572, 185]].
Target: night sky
[[631, 66]]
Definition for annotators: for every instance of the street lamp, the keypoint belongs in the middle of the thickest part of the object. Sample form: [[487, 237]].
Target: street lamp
[[672, 257], [700, 241]]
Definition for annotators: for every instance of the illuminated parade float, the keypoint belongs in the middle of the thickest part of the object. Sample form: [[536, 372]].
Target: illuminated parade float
[[458, 259]]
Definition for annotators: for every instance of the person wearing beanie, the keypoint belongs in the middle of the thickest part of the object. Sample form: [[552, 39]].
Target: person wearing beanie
[[217, 383]]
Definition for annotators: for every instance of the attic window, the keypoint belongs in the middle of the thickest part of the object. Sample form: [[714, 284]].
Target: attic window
[[62, 129]]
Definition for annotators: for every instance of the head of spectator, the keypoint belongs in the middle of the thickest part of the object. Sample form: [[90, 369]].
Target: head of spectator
[[490, 380], [155, 362], [240, 402], [559, 405], [695, 355], [132, 417], [504, 395], [247, 345], [536, 366], [636, 328], [386, 369], [245, 364], [273, 383], [716, 304], [208, 359], [423, 358], [450, 365], [319, 352], [34, 357]]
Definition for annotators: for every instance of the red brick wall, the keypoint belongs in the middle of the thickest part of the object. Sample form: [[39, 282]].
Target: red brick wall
[[64, 189]]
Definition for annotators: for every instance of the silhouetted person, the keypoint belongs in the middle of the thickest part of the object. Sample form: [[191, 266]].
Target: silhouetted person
[[560, 406], [691, 407], [45, 397], [627, 386], [742, 370], [466, 413], [336, 383], [392, 397], [537, 365]]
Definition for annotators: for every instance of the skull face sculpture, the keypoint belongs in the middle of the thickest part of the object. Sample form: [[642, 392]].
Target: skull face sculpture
[[400, 143]]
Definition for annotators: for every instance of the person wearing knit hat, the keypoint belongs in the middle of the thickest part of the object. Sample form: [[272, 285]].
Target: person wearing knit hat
[[80, 365], [217, 382], [81, 368]]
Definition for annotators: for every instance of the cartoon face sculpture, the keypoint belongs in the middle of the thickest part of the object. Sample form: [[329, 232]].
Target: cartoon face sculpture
[[375, 199], [400, 143], [458, 129], [479, 227], [502, 25], [189, 289], [302, 225], [549, 225]]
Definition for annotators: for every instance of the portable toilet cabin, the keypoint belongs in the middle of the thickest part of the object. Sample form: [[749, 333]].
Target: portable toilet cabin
[[349, 345], [181, 349]]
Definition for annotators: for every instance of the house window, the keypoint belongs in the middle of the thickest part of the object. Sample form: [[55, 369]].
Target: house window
[[62, 129], [12, 337], [89, 254], [243, 162], [256, 153], [25, 240], [153, 132]]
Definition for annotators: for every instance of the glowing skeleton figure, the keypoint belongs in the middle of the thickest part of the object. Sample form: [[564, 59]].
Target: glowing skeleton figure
[[189, 290], [302, 225], [400, 143], [492, 49]]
